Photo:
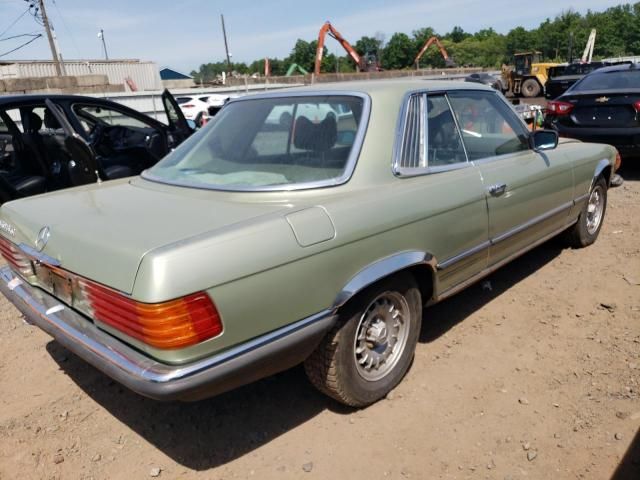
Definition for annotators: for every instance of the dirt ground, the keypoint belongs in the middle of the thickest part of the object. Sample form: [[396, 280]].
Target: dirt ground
[[534, 375]]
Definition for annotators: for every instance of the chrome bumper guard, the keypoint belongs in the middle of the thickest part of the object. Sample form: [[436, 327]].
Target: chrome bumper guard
[[242, 364]]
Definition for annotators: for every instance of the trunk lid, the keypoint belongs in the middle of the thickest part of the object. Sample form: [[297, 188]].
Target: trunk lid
[[611, 110], [103, 231]]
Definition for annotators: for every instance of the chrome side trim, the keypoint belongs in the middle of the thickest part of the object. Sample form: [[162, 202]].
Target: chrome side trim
[[580, 199], [509, 233], [532, 222], [350, 164], [487, 271], [381, 269], [464, 254], [38, 256], [62, 322]]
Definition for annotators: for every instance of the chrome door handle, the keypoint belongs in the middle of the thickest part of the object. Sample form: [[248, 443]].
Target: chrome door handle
[[498, 189]]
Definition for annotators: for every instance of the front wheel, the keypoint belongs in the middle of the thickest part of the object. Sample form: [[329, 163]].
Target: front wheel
[[530, 88], [371, 347], [585, 231]]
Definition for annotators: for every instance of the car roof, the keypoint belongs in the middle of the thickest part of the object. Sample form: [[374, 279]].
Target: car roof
[[618, 68], [376, 87], [40, 98]]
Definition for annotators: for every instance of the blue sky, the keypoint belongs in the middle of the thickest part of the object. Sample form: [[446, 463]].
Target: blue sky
[[184, 34]]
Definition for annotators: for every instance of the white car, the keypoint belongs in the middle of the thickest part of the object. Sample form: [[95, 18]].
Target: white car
[[193, 107]]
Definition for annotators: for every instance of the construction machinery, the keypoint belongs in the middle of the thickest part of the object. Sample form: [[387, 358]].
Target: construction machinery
[[293, 67], [366, 63], [528, 75], [448, 61], [588, 50]]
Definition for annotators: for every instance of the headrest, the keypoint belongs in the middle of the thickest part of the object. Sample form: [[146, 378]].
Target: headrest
[[317, 137], [50, 121], [35, 122]]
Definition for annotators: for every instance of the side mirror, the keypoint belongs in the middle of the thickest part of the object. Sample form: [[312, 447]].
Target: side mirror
[[544, 140], [192, 125]]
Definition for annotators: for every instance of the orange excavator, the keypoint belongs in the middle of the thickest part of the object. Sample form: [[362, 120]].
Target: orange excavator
[[368, 63], [448, 61]]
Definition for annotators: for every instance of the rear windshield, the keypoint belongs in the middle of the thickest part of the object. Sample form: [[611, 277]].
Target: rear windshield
[[620, 80], [270, 143], [182, 100]]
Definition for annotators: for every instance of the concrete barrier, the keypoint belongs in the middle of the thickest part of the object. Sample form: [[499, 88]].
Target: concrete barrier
[[71, 84]]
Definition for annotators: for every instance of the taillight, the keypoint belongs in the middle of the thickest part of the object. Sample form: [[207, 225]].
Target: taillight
[[15, 258], [557, 107], [636, 106], [188, 105], [168, 325]]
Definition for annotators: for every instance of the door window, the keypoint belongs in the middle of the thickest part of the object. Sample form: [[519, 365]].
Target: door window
[[444, 146], [89, 115], [489, 127]]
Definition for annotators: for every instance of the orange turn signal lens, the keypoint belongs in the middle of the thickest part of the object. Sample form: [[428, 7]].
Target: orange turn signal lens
[[616, 166], [168, 325]]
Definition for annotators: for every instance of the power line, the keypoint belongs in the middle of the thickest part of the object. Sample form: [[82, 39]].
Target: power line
[[68, 30], [14, 22], [23, 45], [21, 35]]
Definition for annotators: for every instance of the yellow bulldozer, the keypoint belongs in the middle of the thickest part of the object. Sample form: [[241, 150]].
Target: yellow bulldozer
[[527, 76]]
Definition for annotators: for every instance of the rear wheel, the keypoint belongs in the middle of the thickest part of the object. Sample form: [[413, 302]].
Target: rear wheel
[[586, 229], [371, 347], [530, 88]]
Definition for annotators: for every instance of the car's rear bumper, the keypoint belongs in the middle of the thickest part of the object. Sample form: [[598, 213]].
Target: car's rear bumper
[[626, 140], [257, 358]]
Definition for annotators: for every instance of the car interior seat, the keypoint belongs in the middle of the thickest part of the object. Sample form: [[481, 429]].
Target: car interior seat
[[316, 137]]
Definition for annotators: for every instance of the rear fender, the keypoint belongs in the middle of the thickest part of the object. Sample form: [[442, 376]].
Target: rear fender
[[383, 268]]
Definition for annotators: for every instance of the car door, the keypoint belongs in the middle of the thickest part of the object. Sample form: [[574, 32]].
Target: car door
[[82, 167], [445, 187], [180, 129], [528, 193]]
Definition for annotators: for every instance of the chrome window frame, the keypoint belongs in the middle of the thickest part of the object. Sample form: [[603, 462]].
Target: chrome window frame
[[350, 164], [425, 169]]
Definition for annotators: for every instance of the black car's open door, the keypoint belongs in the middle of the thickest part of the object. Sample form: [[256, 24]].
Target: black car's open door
[[180, 129], [82, 166]]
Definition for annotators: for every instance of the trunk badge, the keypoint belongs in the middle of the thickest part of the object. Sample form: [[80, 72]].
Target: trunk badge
[[602, 99], [7, 228], [42, 238]]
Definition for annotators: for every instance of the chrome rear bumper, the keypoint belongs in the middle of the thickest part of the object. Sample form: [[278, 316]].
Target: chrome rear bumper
[[242, 364]]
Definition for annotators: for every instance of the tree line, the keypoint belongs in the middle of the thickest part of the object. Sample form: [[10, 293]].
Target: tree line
[[618, 34]]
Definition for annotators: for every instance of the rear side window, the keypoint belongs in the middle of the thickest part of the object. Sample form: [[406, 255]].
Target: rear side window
[[620, 80], [430, 137]]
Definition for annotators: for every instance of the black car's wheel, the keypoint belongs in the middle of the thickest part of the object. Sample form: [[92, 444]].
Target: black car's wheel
[[530, 88], [371, 347], [585, 231]]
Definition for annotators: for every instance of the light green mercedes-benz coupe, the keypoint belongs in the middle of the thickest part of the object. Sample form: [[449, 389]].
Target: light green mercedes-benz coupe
[[310, 225]]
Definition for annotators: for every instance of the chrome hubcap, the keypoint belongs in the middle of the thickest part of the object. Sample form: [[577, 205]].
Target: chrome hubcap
[[381, 336], [595, 208]]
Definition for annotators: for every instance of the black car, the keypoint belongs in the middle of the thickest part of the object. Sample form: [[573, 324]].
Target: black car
[[485, 79], [570, 74], [602, 107], [49, 142]]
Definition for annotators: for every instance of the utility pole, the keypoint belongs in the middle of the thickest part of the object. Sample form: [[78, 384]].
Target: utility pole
[[52, 42], [104, 44], [226, 46]]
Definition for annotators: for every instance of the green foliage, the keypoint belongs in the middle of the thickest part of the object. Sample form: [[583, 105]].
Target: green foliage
[[399, 52], [618, 34]]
